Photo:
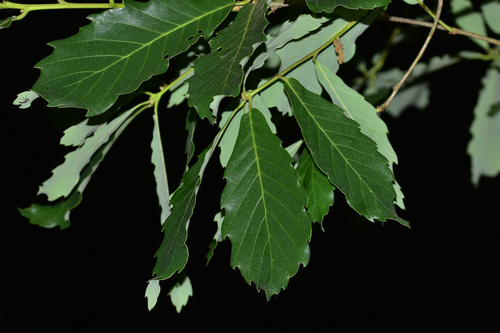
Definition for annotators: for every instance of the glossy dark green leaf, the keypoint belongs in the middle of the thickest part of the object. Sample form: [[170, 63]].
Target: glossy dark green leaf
[[318, 188], [328, 6], [264, 205], [349, 158], [220, 72], [122, 48]]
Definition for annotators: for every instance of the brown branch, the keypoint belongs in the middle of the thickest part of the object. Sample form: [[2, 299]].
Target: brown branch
[[455, 31], [396, 88]]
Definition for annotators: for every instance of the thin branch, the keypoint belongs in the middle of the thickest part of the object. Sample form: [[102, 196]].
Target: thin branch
[[454, 31], [396, 88]]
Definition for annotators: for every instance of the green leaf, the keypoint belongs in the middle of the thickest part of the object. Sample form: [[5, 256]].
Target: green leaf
[[66, 176], [50, 216], [180, 293], [491, 13], [172, 255], [160, 170], [484, 147], [25, 99], [122, 48], [152, 292], [358, 109], [57, 214], [349, 158], [318, 187], [219, 218], [5, 23], [470, 20], [77, 134], [264, 204], [220, 72], [328, 6]]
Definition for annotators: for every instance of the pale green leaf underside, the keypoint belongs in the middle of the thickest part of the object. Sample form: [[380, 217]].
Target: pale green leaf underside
[[470, 20], [491, 13], [220, 72], [25, 99], [160, 170], [180, 293], [122, 48], [318, 187], [152, 292], [53, 215], [294, 50], [66, 176], [264, 205], [328, 6], [348, 157], [484, 147], [358, 109]]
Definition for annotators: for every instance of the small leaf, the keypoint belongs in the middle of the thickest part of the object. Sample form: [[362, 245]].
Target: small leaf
[[179, 295], [484, 147], [121, 48], [152, 292], [220, 72], [25, 99], [5, 23], [66, 176], [328, 6], [160, 170], [217, 237], [318, 187], [264, 204], [77, 134], [348, 157]]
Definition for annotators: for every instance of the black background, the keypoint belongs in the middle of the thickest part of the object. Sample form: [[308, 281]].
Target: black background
[[440, 276]]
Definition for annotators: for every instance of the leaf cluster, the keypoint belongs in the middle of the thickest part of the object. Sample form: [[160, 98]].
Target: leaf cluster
[[241, 73]]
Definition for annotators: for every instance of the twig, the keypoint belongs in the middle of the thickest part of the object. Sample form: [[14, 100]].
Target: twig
[[454, 31], [396, 88]]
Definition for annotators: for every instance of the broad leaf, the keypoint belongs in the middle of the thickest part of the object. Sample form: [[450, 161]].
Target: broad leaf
[[484, 147], [172, 255], [328, 6], [357, 108], [220, 72], [318, 187], [264, 205], [122, 48], [160, 170], [66, 176], [349, 158]]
